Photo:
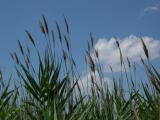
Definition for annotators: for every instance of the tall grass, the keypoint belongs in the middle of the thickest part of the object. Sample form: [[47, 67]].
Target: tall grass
[[52, 89]]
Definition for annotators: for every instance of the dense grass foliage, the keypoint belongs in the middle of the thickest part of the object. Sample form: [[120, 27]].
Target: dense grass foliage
[[52, 87]]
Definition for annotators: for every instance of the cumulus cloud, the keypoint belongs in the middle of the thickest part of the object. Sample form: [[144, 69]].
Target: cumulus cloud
[[131, 47]]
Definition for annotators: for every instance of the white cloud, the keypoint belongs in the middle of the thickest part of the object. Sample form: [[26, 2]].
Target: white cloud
[[155, 7], [131, 47]]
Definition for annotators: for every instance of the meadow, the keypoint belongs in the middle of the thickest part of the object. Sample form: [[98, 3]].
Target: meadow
[[52, 89]]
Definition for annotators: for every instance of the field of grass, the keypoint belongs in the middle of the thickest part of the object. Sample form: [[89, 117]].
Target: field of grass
[[52, 89]]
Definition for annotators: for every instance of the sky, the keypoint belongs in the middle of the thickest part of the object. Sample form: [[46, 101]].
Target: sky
[[128, 20]]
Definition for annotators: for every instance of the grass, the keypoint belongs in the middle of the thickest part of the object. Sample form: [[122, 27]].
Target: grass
[[52, 88]]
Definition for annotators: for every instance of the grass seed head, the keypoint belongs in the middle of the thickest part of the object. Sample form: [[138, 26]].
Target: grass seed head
[[91, 62], [66, 24], [97, 53], [129, 63], [12, 56], [30, 37], [45, 25], [20, 47], [59, 32], [120, 52], [92, 41], [65, 56], [145, 48], [16, 58], [42, 28]]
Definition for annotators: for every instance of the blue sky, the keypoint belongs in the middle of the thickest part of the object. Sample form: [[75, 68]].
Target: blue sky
[[104, 18]]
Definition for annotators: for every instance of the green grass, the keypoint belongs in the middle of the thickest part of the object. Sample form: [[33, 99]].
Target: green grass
[[51, 89]]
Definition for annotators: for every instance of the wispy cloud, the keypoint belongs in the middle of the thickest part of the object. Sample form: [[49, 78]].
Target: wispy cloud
[[153, 8], [149, 10], [131, 47]]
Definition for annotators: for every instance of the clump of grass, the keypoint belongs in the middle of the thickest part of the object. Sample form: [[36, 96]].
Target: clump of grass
[[52, 88]]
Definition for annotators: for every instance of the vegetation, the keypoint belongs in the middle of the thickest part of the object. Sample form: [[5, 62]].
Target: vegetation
[[51, 88]]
